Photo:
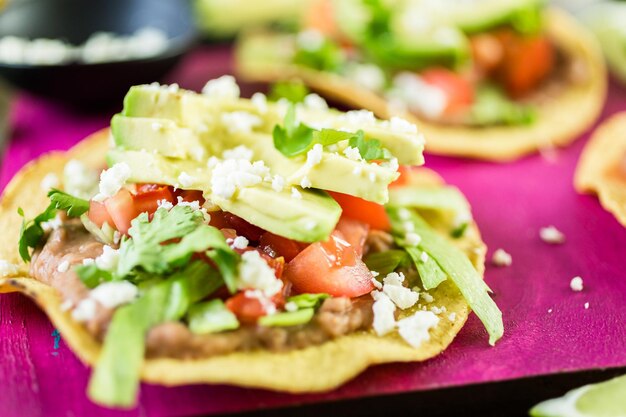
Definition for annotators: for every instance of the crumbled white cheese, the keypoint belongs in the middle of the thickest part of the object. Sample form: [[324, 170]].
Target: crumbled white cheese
[[212, 162], [358, 170], [7, 268], [259, 101], [549, 310], [85, 310], [79, 180], [576, 284], [233, 174], [427, 297], [501, 258], [291, 306], [108, 259], [377, 284], [310, 40], [352, 153], [383, 309], [358, 119], [278, 183], [314, 155], [374, 273], [400, 125], [240, 121], [415, 329], [52, 224], [424, 257], [372, 176], [255, 273], [239, 152], [51, 180], [66, 305], [64, 266], [305, 182], [587, 306], [112, 180], [295, 193], [401, 296], [452, 316], [419, 95], [404, 214], [412, 239], [551, 235], [186, 180], [268, 306], [164, 204], [315, 102], [114, 293], [368, 76], [438, 310], [239, 242], [224, 87]]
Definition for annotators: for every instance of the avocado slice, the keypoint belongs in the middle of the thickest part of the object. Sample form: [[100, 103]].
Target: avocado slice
[[310, 218], [161, 135]]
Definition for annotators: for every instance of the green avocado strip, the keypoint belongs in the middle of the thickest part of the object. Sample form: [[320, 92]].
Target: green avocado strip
[[433, 198], [289, 318], [115, 379], [430, 272], [210, 317], [457, 266]]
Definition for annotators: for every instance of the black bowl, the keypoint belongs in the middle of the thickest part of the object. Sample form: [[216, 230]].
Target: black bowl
[[74, 21]]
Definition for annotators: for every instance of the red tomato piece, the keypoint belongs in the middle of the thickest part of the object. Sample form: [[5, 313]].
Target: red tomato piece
[[98, 214], [362, 210], [354, 232], [459, 91], [527, 62], [330, 267], [147, 197], [190, 195], [276, 246], [121, 208], [218, 219], [243, 228], [248, 309], [405, 176]]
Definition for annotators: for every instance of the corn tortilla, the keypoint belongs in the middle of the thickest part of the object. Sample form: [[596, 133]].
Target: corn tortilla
[[316, 368], [601, 169], [559, 120]]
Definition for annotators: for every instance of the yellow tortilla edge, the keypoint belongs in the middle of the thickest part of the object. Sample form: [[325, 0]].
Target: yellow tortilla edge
[[558, 123], [313, 369], [602, 154]]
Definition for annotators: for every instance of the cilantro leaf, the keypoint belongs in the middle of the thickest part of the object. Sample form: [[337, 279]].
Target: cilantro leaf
[[32, 231], [294, 91], [151, 248], [370, 149], [73, 206], [294, 138]]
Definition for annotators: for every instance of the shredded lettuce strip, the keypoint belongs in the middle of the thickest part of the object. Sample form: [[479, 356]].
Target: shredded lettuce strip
[[456, 265]]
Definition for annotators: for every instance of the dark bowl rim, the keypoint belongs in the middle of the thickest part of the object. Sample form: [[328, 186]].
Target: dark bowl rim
[[177, 45]]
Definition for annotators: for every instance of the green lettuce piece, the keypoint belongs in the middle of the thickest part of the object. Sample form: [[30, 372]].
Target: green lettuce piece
[[493, 107], [386, 262], [308, 300], [430, 272], [92, 276], [210, 317], [456, 265], [294, 91], [115, 379], [288, 318]]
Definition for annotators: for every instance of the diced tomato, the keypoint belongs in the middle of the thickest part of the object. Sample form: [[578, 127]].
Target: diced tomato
[[527, 62], [487, 51], [331, 267], [190, 195], [121, 208], [218, 219], [459, 91], [98, 214], [248, 309], [147, 197], [276, 246], [243, 228], [362, 210], [404, 178], [320, 17], [354, 232]]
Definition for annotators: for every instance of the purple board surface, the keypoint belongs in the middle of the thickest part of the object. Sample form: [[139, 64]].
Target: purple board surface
[[547, 328]]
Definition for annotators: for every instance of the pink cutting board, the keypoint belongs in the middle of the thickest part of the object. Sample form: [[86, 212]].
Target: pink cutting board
[[547, 328]]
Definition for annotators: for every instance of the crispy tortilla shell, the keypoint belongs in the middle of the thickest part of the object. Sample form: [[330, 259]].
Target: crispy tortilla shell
[[559, 119], [316, 368], [601, 169]]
